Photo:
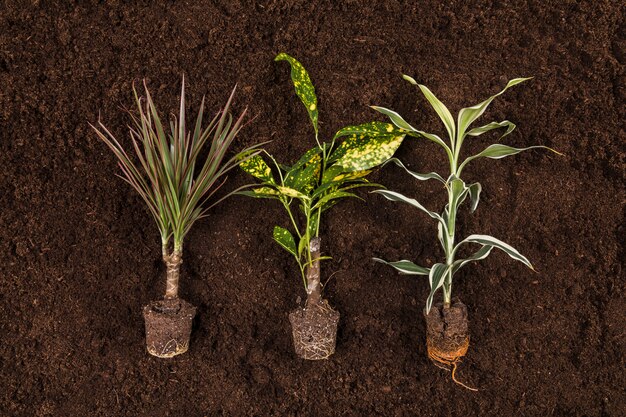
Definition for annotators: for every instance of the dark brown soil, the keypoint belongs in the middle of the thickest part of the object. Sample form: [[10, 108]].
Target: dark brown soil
[[82, 255], [168, 327], [314, 330]]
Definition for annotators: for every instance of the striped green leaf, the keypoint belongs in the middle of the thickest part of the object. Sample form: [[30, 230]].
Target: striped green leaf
[[394, 196], [469, 114], [436, 278], [285, 239], [402, 124], [510, 126], [487, 240], [258, 168], [303, 85], [458, 193], [395, 118], [442, 111], [421, 177], [474, 193], [482, 253], [405, 267], [497, 151]]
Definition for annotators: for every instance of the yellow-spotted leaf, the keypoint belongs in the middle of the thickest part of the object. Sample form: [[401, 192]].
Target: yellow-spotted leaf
[[257, 167], [261, 192], [310, 156], [303, 85], [285, 239], [290, 192], [304, 179], [360, 134], [370, 152]]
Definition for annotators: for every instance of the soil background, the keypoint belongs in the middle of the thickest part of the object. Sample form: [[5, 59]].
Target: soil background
[[81, 255]]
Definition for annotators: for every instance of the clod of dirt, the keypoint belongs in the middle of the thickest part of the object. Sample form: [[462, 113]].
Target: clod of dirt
[[168, 327], [314, 330]]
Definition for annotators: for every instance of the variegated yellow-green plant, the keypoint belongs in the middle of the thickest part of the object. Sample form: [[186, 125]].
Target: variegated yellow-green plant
[[320, 178], [441, 274]]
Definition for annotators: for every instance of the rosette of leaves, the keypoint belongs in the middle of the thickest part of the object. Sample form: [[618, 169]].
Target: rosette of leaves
[[323, 176], [440, 275]]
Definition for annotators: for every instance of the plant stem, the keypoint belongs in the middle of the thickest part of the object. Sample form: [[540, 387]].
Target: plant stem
[[293, 221], [314, 288], [173, 262]]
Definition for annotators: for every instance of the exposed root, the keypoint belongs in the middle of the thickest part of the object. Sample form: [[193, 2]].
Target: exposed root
[[170, 349], [314, 331], [318, 348], [449, 360]]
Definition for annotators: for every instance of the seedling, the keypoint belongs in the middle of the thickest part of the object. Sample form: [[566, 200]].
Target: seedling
[[321, 178], [441, 275], [175, 185]]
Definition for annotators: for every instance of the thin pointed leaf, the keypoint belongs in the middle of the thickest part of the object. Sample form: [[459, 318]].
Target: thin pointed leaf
[[402, 124], [458, 192], [395, 118], [394, 196], [482, 253], [474, 193], [510, 126], [405, 267], [442, 111], [421, 177], [497, 151], [469, 114], [436, 278], [487, 240]]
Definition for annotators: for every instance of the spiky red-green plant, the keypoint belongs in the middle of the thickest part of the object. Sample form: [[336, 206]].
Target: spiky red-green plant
[[169, 173]]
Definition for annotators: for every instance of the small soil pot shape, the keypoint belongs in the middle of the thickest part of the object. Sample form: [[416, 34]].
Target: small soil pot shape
[[168, 321], [315, 183], [447, 323], [174, 184], [314, 326], [447, 334]]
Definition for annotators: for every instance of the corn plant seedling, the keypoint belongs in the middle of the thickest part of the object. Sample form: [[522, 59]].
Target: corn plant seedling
[[440, 275], [168, 173], [322, 177]]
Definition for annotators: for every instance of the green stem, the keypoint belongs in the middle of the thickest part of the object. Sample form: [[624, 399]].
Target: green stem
[[293, 221]]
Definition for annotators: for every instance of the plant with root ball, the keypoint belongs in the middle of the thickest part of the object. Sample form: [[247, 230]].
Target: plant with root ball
[[447, 343], [169, 175], [316, 182]]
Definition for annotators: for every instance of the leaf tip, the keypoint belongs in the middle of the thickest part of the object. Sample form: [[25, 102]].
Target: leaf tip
[[409, 79]]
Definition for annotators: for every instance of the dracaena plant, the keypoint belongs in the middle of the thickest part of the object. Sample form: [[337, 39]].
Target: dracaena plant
[[441, 274], [169, 173], [322, 177]]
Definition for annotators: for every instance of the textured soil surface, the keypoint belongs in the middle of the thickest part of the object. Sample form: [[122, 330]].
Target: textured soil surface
[[81, 255]]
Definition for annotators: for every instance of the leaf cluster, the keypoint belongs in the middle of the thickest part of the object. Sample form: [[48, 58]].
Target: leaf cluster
[[168, 171], [322, 176], [441, 274]]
